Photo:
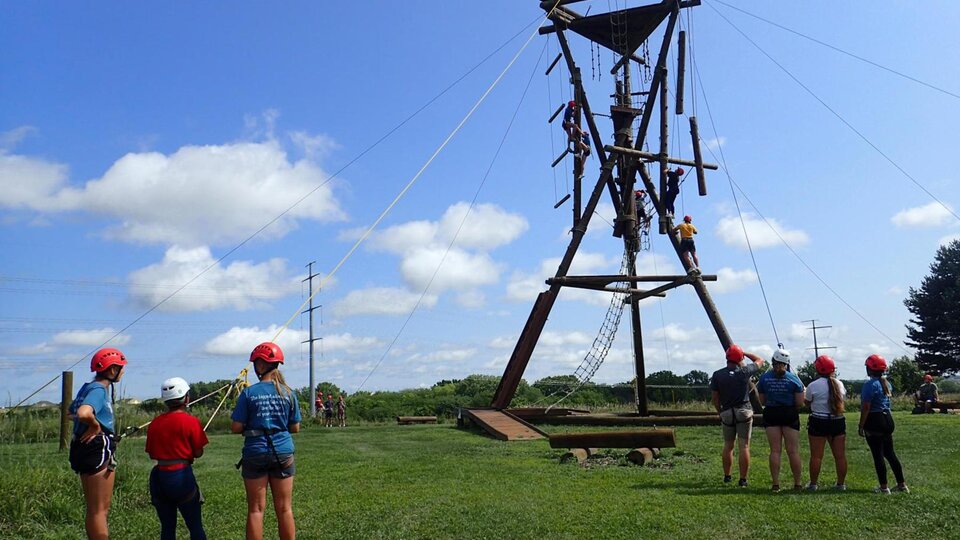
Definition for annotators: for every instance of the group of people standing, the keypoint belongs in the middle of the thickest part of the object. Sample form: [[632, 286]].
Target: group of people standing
[[328, 408], [266, 414], [782, 394]]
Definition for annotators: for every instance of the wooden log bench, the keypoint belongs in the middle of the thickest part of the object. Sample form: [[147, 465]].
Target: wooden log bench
[[408, 420], [649, 438], [945, 406]]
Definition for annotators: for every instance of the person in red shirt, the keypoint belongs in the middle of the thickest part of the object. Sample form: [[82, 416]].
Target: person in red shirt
[[175, 439]]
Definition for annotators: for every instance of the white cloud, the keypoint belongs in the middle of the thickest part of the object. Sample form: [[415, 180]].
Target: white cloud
[[89, 338], [460, 269], [486, 227], [241, 285], [30, 182], [380, 301], [199, 195], [349, 343], [471, 299], [896, 291], [444, 355], [930, 215], [730, 231], [239, 341], [34, 350], [715, 143], [729, 280], [674, 333], [948, 239], [524, 286], [558, 339], [9, 139]]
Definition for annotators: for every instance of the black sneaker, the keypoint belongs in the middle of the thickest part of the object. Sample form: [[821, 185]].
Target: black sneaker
[[727, 479], [742, 483]]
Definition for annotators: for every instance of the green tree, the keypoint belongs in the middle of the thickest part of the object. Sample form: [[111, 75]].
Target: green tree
[[806, 372], [697, 378], [934, 329], [905, 375]]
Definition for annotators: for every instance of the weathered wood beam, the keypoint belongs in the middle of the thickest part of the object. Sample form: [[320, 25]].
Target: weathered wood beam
[[603, 280], [698, 157], [554, 63], [681, 68], [650, 156]]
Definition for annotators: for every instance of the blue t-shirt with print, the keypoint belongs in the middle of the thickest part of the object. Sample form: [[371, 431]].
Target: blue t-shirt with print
[[260, 407], [872, 393], [780, 392], [93, 394]]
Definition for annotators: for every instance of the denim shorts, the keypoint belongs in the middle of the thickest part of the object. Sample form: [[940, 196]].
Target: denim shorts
[[274, 465]]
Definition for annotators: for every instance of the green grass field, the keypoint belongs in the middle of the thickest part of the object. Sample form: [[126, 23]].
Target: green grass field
[[387, 481]]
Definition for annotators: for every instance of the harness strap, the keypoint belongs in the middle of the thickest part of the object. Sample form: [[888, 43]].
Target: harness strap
[[167, 462]]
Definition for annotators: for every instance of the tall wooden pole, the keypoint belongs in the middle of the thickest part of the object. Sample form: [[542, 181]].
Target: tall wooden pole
[[66, 397]]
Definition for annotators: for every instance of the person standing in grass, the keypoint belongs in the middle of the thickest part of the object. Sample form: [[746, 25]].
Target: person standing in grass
[[876, 424], [781, 394], [341, 412], [93, 448], [825, 397], [730, 393], [266, 414], [328, 411], [174, 440]]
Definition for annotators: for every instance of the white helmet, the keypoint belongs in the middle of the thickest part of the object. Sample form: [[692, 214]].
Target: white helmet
[[174, 388], [782, 357]]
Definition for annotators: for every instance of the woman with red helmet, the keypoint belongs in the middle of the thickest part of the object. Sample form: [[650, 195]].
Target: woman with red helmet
[[266, 414], [94, 445], [876, 423], [825, 397]]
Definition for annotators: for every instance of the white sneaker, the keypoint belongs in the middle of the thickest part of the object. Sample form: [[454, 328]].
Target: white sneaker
[[902, 489], [840, 487], [881, 490]]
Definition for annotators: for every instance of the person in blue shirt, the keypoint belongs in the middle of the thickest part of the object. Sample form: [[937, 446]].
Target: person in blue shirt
[[876, 424], [94, 445], [266, 414], [781, 394]]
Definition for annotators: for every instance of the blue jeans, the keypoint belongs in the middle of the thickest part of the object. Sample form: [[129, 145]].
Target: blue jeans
[[177, 490]]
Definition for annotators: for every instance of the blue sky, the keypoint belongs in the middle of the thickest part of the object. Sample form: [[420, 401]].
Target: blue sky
[[140, 142]]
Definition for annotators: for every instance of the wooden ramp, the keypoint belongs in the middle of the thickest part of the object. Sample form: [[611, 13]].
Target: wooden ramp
[[503, 425]]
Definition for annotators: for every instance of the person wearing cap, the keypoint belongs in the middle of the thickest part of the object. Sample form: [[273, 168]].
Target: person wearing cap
[[266, 414], [928, 395], [94, 445], [673, 189], [687, 246], [174, 440], [826, 423], [730, 394], [328, 411], [877, 426], [318, 403], [781, 394]]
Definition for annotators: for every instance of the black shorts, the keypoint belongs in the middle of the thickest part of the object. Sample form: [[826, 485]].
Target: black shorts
[[328, 413], [826, 427], [782, 417], [274, 465], [687, 244], [94, 456], [879, 424]]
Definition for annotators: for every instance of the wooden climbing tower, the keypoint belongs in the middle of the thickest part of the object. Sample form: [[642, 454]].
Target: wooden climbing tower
[[624, 169]]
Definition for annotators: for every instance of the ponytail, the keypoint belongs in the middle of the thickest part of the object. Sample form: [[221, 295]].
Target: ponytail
[[886, 386], [280, 384], [835, 398]]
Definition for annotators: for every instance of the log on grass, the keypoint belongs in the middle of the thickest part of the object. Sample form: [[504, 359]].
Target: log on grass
[[579, 454], [650, 438], [407, 420], [640, 456]]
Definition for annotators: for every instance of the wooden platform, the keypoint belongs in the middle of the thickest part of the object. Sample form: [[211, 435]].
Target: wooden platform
[[503, 425], [576, 417]]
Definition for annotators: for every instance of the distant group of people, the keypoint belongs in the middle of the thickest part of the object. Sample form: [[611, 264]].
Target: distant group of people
[[266, 414], [782, 394], [328, 408]]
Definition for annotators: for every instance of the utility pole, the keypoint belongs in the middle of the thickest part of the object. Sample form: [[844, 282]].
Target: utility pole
[[816, 347], [309, 310]]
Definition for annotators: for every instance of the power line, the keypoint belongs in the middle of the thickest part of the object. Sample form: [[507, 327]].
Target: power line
[[839, 50]]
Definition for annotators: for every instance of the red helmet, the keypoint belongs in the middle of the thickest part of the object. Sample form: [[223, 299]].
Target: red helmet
[[824, 365], [571, 104], [734, 354], [875, 362], [680, 171], [268, 352], [104, 358], [688, 219], [928, 378]]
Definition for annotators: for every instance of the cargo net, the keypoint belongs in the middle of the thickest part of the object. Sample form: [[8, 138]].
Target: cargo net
[[601, 344]]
